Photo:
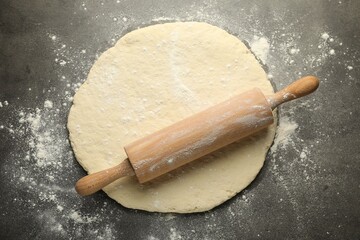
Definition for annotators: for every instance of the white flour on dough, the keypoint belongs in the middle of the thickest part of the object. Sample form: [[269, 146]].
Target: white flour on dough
[[156, 76]]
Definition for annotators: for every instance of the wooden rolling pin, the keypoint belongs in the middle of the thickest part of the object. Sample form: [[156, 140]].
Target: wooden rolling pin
[[197, 135]]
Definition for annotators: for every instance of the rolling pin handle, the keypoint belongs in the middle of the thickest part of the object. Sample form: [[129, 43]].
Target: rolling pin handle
[[297, 89], [96, 181]]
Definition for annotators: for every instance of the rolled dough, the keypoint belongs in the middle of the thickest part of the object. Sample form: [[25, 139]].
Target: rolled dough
[[151, 78]]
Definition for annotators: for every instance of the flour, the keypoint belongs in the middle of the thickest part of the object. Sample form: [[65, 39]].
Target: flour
[[174, 234], [325, 36], [152, 238], [294, 51], [40, 169], [39, 166], [260, 46], [62, 62], [284, 134], [52, 37], [48, 104], [303, 155], [78, 218]]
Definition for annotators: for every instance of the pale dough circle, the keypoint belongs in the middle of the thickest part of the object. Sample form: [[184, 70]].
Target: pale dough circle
[[151, 78]]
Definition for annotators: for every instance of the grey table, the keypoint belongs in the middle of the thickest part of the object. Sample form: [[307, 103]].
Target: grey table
[[309, 186]]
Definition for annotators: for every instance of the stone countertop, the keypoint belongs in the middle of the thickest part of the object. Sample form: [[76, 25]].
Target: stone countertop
[[309, 187]]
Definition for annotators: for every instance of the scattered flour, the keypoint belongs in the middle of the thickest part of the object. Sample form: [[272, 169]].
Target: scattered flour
[[284, 133], [174, 234], [48, 104], [42, 163], [294, 51], [78, 218], [325, 36], [62, 62], [152, 238], [260, 47], [303, 155], [39, 170]]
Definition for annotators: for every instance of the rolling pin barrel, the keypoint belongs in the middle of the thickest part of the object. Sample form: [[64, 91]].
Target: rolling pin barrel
[[200, 134]]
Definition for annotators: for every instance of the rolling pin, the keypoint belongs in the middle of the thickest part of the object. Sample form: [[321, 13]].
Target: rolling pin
[[197, 135]]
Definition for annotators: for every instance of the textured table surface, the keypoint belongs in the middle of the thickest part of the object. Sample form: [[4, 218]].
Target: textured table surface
[[309, 187]]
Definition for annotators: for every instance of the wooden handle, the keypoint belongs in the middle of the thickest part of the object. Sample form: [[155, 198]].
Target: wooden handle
[[96, 181], [297, 89]]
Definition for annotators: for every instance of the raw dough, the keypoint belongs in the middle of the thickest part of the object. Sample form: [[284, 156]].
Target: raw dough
[[156, 76]]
